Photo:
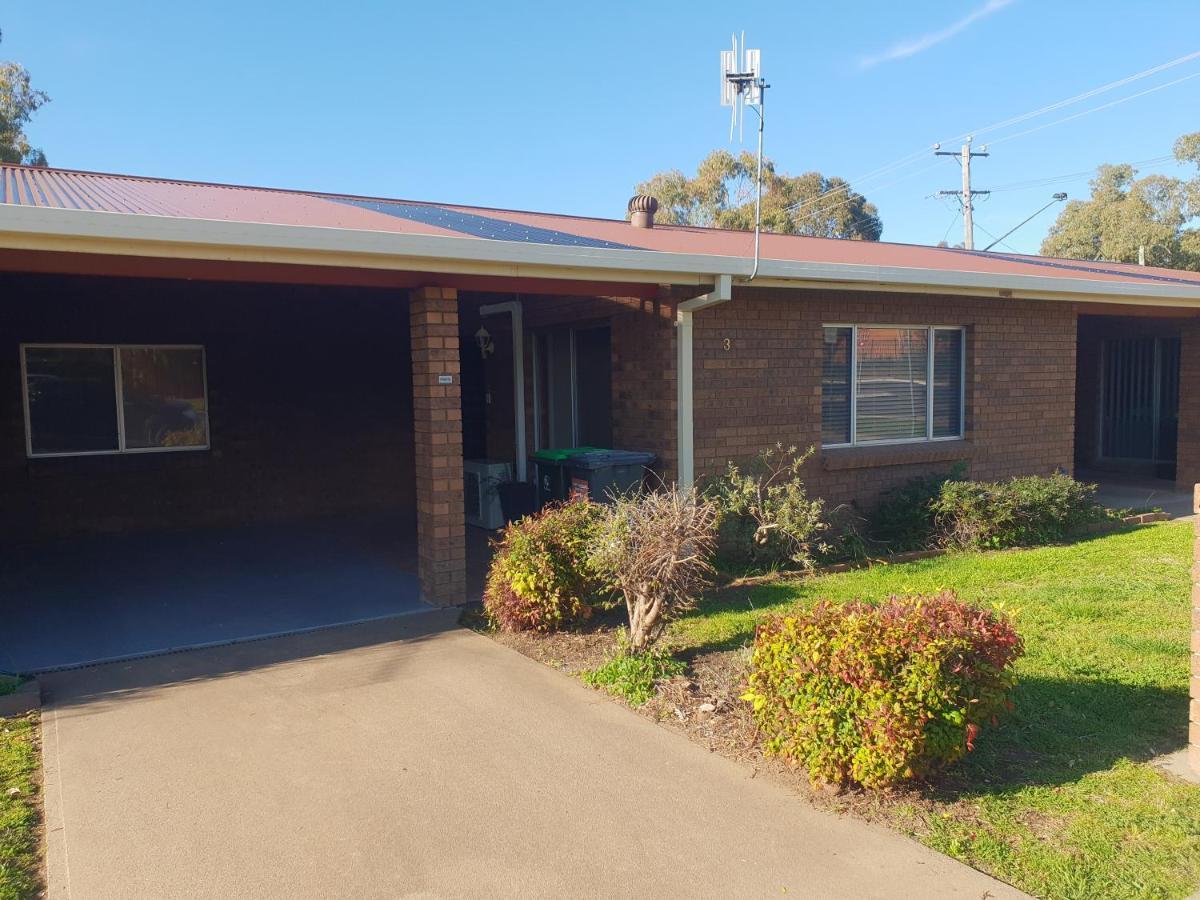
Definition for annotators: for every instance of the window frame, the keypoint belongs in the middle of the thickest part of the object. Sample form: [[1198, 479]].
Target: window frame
[[929, 438], [118, 398]]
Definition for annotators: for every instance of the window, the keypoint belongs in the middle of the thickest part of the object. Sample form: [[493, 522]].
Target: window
[[891, 384], [113, 399]]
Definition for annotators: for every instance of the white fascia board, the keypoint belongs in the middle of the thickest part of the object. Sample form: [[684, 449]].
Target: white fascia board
[[786, 273], [33, 228], [24, 227]]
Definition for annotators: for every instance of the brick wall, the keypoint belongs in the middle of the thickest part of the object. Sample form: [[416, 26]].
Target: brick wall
[[309, 393], [1187, 470], [758, 381]]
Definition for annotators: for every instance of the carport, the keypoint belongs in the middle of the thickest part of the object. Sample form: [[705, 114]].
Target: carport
[[188, 462], [228, 413]]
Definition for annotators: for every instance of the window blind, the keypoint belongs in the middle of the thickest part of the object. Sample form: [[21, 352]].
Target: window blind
[[835, 386], [892, 384], [947, 382]]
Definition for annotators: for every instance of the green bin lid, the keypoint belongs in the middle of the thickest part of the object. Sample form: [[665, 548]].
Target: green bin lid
[[559, 454]]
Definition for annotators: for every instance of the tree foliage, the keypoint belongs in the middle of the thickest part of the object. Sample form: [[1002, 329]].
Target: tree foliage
[[1126, 214], [721, 195], [19, 100]]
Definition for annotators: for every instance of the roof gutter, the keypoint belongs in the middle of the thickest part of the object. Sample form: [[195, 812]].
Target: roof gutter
[[128, 234], [685, 425]]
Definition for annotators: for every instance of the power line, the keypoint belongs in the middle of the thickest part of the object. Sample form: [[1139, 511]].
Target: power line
[[1058, 198], [1071, 176], [945, 236], [1088, 112], [1086, 95], [916, 155], [996, 240]]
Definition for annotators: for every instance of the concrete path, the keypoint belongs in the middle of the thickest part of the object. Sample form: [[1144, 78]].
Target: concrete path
[[434, 764], [1141, 494]]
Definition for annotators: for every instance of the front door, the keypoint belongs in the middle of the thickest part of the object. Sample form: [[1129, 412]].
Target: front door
[[573, 387], [1139, 402]]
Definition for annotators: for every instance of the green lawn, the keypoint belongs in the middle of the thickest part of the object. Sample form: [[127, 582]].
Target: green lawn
[[1059, 800], [20, 865]]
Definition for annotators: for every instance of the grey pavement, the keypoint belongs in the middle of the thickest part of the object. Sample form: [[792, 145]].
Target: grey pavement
[[411, 758], [117, 596], [1141, 494]]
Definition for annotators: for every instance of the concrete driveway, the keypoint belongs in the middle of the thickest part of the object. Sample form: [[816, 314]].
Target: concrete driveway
[[409, 758]]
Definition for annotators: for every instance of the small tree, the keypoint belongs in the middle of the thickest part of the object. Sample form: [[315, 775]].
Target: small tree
[[655, 548], [769, 497]]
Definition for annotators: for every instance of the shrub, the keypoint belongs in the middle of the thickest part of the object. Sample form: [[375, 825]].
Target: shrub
[[634, 676], [904, 518], [876, 694], [655, 549], [1022, 512], [540, 579], [766, 517]]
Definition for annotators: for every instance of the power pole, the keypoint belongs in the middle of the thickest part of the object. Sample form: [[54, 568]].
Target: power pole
[[966, 195]]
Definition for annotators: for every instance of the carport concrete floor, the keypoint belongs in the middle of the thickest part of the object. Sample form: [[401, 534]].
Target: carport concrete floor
[[116, 596], [412, 758]]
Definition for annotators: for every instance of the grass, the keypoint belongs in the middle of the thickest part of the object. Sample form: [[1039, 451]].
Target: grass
[[634, 677], [20, 859], [1060, 800]]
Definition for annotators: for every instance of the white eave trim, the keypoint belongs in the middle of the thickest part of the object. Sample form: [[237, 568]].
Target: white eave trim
[[88, 231]]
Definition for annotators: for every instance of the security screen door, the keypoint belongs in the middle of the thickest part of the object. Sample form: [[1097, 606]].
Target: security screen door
[[1139, 400]]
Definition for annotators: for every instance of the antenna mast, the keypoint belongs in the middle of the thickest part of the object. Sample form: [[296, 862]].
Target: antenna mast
[[742, 85]]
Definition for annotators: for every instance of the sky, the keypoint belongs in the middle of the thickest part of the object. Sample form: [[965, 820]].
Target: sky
[[566, 107]]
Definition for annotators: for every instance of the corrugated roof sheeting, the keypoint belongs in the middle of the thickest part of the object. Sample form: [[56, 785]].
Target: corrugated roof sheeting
[[56, 188]]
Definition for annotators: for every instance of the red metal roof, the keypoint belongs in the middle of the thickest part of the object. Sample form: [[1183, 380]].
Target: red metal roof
[[63, 189]]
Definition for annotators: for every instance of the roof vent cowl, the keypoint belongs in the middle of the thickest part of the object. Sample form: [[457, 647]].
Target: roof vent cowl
[[642, 208]]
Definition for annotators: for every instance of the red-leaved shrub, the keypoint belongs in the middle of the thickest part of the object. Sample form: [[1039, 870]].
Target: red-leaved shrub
[[879, 693], [540, 579]]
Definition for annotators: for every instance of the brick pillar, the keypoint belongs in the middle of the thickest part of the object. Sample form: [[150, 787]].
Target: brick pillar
[[437, 427], [1194, 681]]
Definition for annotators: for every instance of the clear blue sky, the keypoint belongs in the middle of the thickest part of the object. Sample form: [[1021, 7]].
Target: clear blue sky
[[565, 107]]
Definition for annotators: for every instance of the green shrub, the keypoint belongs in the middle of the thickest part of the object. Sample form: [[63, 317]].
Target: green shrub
[[876, 694], [634, 676], [540, 579], [766, 519], [9, 684], [1022, 512], [904, 518]]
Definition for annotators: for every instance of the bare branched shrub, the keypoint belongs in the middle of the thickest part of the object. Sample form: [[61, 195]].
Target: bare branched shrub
[[766, 516], [655, 548]]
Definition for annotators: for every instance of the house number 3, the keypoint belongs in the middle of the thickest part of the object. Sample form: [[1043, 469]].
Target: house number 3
[[728, 344]]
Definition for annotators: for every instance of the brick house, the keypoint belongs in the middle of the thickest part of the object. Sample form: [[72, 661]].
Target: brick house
[[183, 355]]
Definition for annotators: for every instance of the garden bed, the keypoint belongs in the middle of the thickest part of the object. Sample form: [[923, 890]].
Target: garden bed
[[1062, 799]]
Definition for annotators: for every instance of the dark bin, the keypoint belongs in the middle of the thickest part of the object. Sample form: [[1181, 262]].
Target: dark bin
[[551, 473], [599, 474], [518, 499]]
